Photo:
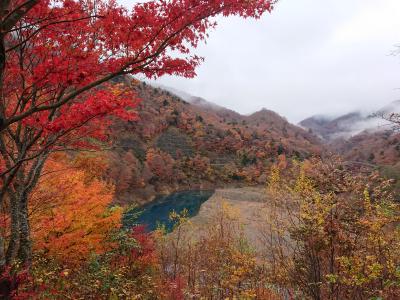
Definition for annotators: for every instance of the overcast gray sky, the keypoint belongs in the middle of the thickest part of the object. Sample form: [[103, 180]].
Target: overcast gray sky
[[307, 57]]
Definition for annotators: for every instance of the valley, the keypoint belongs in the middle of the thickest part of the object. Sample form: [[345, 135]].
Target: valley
[[207, 146], [177, 145], [360, 136]]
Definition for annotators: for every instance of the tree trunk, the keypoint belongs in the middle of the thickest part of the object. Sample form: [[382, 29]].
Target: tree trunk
[[2, 70], [2, 255], [25, 244], [31, 180], [2, 58], [13, 244]]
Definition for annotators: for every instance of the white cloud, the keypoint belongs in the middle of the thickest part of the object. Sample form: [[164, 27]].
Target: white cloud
[[375, 20], [308, 57]]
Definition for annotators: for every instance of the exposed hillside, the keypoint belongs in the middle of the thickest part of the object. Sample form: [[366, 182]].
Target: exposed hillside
[[178, 145]]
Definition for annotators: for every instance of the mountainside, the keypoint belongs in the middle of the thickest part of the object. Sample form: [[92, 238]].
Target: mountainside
[[374, 147], [330, 129], [177, 145], [205, 105], [359, 136]]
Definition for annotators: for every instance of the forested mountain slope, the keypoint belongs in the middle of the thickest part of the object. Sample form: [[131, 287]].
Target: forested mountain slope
[[360, 137], [176, 145]]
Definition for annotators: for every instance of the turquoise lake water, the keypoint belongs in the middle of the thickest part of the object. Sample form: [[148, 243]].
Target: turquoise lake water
[[157, 211]]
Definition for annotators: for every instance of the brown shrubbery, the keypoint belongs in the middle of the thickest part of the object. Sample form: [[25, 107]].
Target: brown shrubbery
[[331, 234], [214, 262]]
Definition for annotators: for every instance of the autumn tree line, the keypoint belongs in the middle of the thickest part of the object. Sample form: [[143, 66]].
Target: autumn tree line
[[328, 233]]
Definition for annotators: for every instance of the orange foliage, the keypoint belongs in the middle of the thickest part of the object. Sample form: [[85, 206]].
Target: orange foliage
[[95, 166], [282, 162], [70, 215], [160, 163]]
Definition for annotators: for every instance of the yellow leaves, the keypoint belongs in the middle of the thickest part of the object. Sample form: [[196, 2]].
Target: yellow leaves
[[358, 271], [275, 185], [305, 187], [331, 278], [374, 270], [340, 224], [179, 218], [274, 178], [367, 201]]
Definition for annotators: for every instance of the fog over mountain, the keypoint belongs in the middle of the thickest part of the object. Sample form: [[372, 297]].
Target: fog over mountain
[[327, 127], [307, 57], [353, 123]]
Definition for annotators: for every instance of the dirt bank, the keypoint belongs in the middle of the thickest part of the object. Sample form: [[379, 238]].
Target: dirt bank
[[248, 205]]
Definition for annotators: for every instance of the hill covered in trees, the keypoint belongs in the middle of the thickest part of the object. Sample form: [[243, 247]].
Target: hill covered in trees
[[176, 145], [360, 137]]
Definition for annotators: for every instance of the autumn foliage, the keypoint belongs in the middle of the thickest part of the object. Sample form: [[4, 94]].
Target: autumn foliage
[[215, 261], [70, 213], [93, 42], [331, 233], [178, 145], [66, 85], [57, 62]]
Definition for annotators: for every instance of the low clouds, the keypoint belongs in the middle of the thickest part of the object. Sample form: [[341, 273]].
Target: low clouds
[[308, 57]]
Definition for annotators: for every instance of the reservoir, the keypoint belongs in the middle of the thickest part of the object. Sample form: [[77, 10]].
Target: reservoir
[[157, 211]]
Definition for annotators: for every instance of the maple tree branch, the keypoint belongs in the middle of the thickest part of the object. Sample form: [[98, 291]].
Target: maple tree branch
[[14, 16], [140, 65], [46, 147], [37, 22], [48, 25], [121, 71]]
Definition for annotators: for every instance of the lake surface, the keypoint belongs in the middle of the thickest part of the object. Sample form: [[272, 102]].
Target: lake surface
[[157, 211]]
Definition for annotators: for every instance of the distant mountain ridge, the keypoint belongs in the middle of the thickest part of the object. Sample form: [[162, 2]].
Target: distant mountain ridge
[[203, 103], [264, 118], [331, 128], [359, 136], [350, 124]]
